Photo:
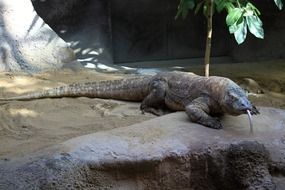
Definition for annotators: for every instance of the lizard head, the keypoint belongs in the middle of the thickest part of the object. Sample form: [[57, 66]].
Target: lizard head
[[235, 102]]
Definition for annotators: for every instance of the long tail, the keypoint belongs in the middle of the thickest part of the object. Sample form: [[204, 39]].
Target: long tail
[[131, 89]]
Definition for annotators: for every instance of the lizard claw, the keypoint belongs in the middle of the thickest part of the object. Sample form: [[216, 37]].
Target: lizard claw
[[214, 124], [142, 108], [154, 111]]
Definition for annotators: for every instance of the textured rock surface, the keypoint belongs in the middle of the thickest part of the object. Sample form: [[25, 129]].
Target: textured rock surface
[[85, 24], [27, 43], [164, 153]]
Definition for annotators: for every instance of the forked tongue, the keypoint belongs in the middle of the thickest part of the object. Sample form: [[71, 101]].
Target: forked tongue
[[250, 121]]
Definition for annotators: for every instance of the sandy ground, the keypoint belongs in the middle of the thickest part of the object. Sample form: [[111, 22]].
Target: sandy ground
[[32, 125], [26, 127]]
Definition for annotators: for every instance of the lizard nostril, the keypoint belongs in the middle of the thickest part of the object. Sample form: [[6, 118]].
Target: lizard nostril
[[245, 106]]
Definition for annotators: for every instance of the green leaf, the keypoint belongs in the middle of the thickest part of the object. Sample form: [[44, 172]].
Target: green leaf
[[190, 4], [222, 4], [249, 10], [233, 16], [255, 26], [279, 4], [233, 28], [250, 6], [241, 32], [183, 8]]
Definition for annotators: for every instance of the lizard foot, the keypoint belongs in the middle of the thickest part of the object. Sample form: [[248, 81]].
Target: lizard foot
[[198, 112], [213, 123], [157, 112]]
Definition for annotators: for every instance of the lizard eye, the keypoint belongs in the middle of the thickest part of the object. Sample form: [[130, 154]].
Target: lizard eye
[[233, 97]]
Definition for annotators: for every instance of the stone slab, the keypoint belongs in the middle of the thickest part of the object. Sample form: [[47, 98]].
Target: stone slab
[[167, 152]]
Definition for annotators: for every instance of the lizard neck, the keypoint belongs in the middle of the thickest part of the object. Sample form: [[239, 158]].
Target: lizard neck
[[216, 87]]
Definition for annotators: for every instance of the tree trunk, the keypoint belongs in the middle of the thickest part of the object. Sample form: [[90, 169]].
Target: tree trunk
[[209, 37], [27, 43]]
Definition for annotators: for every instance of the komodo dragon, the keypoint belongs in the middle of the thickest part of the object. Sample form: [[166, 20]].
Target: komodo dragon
[[202, 98]]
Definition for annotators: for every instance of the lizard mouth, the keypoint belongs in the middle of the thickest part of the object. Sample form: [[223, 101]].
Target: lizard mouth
[[253, 111], [249, 109]]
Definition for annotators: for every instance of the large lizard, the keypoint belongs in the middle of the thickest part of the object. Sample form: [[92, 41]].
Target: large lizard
[[203, 98]]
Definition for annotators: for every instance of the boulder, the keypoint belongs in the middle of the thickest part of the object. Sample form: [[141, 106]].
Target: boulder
[[167, 152], [27, 43]]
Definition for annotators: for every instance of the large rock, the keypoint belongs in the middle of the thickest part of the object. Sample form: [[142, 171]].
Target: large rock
[[27, 43], [85, 24], [168, 152]]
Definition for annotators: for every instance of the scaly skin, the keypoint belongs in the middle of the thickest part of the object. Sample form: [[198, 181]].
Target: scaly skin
[[202, 98]]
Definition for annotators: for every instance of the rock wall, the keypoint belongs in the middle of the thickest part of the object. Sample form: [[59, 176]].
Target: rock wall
[[144, 30], [27, 43], [85, 24]]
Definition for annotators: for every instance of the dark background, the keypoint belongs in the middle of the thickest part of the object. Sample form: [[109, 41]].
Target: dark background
[[145, 30]]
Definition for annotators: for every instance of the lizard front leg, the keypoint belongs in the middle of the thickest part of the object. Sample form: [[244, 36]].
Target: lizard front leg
[[155, 100], [198, 111]]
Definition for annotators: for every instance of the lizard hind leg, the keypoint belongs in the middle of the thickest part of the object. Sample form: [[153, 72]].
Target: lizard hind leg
[[198, 111], [154, 102]]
